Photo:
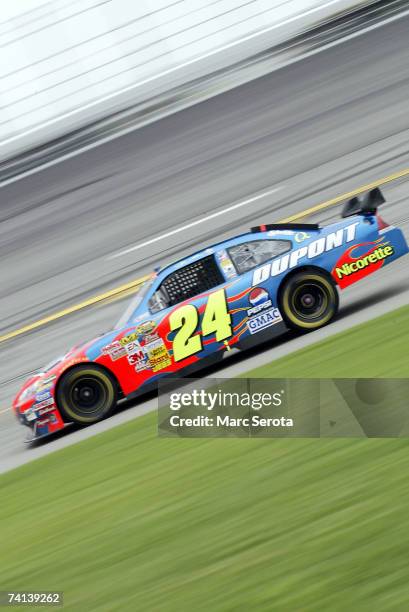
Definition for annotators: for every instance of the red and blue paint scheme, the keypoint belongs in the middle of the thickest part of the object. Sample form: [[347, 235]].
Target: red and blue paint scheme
[[228, 295]]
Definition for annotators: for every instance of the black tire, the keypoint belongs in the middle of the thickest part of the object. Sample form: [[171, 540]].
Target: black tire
[[308, 300], [86, 394]]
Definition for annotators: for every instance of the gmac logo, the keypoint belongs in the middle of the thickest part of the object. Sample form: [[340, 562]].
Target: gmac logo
[[263, 320]]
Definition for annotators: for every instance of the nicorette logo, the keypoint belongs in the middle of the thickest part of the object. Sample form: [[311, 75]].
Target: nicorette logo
[[350, 269], [310, 251]]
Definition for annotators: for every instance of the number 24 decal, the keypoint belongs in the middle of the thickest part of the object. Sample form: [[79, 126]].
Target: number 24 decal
[[185, 320]]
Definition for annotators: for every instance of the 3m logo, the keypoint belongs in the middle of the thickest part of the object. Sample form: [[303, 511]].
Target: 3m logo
[[310, 251], [350, 269]]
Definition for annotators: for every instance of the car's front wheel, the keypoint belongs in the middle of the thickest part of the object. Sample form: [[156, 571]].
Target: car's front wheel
[[308, 300], [86, 394]]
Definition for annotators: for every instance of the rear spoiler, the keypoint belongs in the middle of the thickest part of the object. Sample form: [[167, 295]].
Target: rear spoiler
[[365, 204], [297, 227]]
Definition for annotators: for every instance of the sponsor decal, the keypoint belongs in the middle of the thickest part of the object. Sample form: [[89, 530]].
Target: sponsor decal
[[151, 338], [226, 263], [156, 343], [140, 361], [314, 249], [42, 426], [263, 320], [132, 339], [145, 328], [137, 357], [158, 355], [38, 410], [259, 300], [30, 414], [132, 347], [115, 350], [127, 339], [280, 232], [350, 268], [42, 423], [301, 236], [43, 395], [45, 410], [44, 403]]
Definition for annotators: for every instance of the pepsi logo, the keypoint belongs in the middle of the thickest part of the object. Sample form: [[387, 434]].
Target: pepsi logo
[[258, 296]]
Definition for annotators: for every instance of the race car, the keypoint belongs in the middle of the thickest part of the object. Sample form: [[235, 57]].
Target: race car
[[234, 294]]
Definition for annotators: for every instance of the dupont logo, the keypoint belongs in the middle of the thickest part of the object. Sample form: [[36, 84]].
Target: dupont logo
[[260, 300], [318, 247]]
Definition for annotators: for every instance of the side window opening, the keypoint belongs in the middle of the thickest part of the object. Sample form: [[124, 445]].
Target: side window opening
[[251, 254], [159, 300], [185, 283]]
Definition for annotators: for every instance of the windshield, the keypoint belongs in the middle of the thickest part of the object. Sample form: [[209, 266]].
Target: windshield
[[129, 313]]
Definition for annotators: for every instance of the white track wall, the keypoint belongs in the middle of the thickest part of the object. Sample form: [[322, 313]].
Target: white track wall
[[64, 63]]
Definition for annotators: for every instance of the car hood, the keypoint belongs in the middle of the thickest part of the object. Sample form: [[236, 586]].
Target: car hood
[[47, 375]]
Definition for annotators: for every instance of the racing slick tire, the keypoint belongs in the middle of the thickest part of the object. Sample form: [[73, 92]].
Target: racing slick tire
[[308, 300], [86, 394]]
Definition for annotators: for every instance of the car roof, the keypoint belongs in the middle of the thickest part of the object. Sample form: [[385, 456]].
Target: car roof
[[284, 234], [224, 244]]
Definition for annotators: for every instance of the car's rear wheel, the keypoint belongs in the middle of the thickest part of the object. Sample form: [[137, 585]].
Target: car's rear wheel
[[308, 300], [86, 394]]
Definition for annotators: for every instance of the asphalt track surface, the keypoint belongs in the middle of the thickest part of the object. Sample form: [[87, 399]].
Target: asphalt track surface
[[312, 131]]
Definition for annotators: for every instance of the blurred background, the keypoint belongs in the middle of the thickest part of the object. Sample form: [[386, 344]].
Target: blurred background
[[67, 63]]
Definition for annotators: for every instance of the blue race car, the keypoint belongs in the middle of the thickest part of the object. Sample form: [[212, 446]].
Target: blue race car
[[233, 294]]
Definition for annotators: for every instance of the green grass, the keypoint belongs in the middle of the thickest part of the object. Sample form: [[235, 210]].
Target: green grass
[[128, 521], [376, 348]]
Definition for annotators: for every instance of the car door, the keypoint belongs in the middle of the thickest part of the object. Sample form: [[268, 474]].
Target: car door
[[209, 305], [255, 308], [191, 311]]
